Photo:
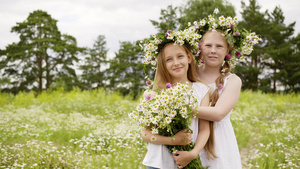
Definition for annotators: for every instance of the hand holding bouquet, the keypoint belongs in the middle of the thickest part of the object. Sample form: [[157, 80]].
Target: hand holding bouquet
[[167, 113]]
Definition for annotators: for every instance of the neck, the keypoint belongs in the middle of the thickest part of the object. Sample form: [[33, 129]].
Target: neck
[[175, 81], [211, 71], [208, 74]]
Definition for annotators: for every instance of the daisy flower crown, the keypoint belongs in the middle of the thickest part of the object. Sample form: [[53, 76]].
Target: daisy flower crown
[[153, 46], [241, 41]]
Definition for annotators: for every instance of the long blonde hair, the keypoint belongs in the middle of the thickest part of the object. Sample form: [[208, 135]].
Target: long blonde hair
[[163, 77], [225, 69]]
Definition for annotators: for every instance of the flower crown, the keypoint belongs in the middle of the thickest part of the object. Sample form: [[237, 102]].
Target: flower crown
[[240, 40], [153, 46]]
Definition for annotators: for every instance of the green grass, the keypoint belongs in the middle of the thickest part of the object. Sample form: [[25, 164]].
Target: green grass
[[91, 129]]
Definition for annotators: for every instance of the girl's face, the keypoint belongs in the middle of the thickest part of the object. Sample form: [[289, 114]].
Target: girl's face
[[214, 48], [177, 62]]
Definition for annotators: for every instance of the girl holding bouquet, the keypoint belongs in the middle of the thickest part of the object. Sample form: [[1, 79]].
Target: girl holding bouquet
[[175, 64]]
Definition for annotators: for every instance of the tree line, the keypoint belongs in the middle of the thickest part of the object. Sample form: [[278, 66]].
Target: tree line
[[46, 59]]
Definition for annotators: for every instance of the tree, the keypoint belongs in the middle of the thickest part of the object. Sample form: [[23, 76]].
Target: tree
[[126, 73], [94, 64], [250, 70], [195, 10], [291, 67], [168, 19], [41, 56], [278, 46]]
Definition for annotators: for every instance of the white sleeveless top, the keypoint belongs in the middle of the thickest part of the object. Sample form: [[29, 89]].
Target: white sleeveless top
[[158, 155], [226, 146]]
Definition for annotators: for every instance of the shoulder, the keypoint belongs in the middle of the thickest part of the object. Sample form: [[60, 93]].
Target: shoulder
[[200, 85], [233, 78], [234, 81]]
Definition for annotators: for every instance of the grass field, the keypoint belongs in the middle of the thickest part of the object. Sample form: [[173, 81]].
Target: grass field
[[91, 129]]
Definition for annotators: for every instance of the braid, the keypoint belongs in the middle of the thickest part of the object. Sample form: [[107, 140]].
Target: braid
[[209, 146], [219, 83]]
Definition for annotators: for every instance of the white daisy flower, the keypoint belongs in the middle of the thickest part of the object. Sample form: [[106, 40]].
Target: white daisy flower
[[216, 11], [168, 120], [154, 131], [153, 138]]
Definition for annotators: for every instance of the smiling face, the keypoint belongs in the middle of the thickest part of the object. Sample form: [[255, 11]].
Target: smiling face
[[177, 62], [214, 49]]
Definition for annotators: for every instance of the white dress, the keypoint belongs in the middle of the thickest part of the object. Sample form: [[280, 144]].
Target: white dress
[[158, 155], [226, 147]]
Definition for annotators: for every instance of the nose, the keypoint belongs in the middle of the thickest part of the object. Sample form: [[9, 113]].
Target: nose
[[213, 50], [176, 62]]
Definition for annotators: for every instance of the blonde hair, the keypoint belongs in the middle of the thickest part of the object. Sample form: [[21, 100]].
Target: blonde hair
[[225, 68], [162, 77]]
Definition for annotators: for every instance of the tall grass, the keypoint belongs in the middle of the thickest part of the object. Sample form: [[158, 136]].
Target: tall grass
[[267, 125], [90, 129]]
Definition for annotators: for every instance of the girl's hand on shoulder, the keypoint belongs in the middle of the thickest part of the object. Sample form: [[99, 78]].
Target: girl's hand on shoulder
[[183, 137], [183, 158]]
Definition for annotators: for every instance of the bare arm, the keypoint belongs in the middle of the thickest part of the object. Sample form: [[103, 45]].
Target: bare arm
[[183, 137], [225, 103], [183, 158]]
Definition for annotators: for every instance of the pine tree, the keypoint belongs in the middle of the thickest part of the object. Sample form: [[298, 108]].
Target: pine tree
[[278, 46], [250, 70], [126, 71], [168, 19], [94, 64]]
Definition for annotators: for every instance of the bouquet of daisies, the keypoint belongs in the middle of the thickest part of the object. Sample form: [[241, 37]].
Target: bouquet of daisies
[[167, 113]]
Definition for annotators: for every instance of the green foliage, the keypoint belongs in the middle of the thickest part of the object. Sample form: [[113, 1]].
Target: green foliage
[[126, 71], [41, 56], [195, 10], [90, 129], [273, 58], [290, 70], [168, 19], [278, 46], [93, 74], [84, 129], [253, 66], [44, 58], [267, 126]]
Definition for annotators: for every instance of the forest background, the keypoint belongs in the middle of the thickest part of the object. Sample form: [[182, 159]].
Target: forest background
[[44, 58]]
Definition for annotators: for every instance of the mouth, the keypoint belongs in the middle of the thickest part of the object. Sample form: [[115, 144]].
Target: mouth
[[178, 68], [213, 57]]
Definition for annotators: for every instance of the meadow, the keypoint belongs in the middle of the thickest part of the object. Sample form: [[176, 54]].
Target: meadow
[[91, 129]]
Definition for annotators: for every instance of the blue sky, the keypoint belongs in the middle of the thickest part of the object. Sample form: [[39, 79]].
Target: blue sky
[[117, 20]]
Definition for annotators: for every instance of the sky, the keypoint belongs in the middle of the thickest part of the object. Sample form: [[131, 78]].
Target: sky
[[117, 20]]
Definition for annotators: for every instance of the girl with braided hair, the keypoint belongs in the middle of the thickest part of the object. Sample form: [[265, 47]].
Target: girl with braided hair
[[225, 90], [223, 44]]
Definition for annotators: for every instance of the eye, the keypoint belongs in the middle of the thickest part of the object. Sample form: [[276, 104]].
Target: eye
[[220, 46], [208, 45], [168, 59]]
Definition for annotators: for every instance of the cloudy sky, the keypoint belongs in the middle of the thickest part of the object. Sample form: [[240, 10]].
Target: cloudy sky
[[117, 20]]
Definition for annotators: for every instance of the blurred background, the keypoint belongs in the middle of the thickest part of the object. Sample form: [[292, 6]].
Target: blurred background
[[94, 44]]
